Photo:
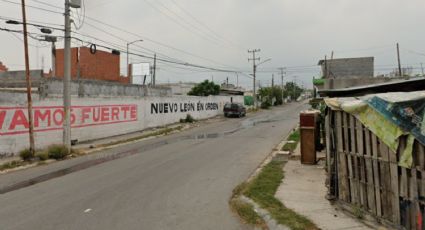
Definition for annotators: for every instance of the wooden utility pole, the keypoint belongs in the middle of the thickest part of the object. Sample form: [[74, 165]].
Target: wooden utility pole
[[272, 80], [28, 81], [254, 69], [398, 59], [154, 71], [282, 72], [422, 68]]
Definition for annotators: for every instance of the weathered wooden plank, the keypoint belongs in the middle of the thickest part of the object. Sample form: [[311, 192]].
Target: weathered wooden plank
[[361, 162], [369, 173], [421, 156], [403, 180], [376, 175], [349, 157], [386, 178], [395, 198], [422, 184], [413, 197], [352, 161], [343, 189], [329, 154]]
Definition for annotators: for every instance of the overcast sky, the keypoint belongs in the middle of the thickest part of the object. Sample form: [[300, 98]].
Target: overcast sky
[[294, 33]]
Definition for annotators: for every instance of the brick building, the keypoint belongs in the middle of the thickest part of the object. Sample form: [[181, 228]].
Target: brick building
[[101, 65], [3, 68]]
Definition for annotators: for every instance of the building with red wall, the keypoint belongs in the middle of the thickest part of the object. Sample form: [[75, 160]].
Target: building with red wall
[[101, 65], [3, 68]]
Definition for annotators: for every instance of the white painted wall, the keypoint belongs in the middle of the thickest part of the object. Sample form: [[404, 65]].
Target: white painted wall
[[117, 116]]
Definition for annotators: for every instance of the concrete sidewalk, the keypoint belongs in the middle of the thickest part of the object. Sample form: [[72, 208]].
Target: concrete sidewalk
[[303, 190]]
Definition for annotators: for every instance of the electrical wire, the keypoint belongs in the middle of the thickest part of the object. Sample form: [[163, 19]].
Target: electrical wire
[[33, 7], [177, 20], [204, 25], [155, 42]]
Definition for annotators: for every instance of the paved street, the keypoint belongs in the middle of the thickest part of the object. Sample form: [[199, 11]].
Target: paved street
[[181, 181]]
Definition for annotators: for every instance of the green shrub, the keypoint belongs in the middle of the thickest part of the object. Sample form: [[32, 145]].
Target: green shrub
[[265, 105], [57, 152], [188, 119], [25, 154], [42, 156]]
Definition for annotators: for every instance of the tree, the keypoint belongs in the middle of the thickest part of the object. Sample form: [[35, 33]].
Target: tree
[[292, 90], [205, 88], [270, 96]]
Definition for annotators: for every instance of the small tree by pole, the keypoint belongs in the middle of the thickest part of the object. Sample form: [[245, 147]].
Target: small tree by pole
[[206, 88]]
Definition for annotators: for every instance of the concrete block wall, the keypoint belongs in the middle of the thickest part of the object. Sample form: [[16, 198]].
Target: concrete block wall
[[349, 67], [16, 79], [92, 88], [94, 118]]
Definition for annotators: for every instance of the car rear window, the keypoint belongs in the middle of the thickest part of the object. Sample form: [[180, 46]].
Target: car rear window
[[227, 106]]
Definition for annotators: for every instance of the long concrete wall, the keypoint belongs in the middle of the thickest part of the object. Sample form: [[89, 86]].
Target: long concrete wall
[[93, 88], [94, 118]]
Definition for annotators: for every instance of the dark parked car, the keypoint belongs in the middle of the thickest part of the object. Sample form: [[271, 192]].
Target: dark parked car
[[234, 109]]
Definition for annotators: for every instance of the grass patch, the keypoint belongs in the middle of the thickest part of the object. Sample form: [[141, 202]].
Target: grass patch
[[295, 136], [247, 213], [12, 164], [244, 210], [57, 152], [156, 133], [293, 140], [262, 190]]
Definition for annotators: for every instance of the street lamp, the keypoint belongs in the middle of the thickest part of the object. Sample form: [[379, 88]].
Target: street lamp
[[128, 44]]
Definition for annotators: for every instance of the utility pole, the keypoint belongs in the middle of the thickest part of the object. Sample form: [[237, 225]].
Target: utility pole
[[398, 59], [28, 81], [154, 70], [272, 80], [422, 68], [254, 69], [293, 87], [237, 80], [67, 79], [282, 72]]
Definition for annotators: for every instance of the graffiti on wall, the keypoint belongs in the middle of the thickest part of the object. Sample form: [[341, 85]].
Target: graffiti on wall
[[14, 120], [158, 108]]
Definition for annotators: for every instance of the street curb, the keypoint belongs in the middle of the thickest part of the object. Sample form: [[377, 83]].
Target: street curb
[[264, 214]]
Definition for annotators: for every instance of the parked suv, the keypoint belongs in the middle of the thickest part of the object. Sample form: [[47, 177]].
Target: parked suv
[[234, 109]]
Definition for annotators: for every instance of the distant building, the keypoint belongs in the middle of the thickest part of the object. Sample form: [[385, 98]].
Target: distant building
[[101, 65], [181, 88], [3, 68], [230, 89], [348, 67], [347, 72]]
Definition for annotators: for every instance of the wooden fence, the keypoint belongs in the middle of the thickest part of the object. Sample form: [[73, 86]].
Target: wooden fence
[[364, 173]]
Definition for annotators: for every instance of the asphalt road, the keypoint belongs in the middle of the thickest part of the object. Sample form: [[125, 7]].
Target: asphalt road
[[181, 181]]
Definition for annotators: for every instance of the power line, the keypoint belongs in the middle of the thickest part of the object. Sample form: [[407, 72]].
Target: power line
[[33, 7], [204, 25], [155, 42], [178, 22], [48, 4]]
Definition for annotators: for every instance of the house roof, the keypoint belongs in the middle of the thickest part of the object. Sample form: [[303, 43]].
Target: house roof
[[394, 86]]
